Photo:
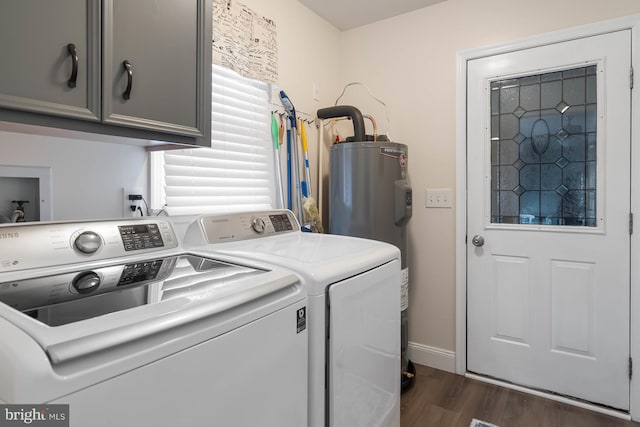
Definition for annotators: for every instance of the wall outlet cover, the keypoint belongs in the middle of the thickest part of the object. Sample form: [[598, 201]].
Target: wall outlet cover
[[127, 212]]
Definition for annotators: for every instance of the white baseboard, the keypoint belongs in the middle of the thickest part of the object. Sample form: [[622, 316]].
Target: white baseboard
[[432, 356]]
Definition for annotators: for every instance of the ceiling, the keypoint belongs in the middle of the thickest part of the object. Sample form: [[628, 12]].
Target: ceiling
[[349, 14]]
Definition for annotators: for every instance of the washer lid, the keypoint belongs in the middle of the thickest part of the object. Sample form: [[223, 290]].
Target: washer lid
[[73, 290], [199, 290]]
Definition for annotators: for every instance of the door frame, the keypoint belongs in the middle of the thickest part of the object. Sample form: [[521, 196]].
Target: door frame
[[631, 22]]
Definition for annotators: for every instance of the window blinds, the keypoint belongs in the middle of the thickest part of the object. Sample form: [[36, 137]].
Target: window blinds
[[237, 172]]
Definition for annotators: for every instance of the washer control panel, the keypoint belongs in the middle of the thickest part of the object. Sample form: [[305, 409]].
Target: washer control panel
[[282, 222], [141, 236], [243, 226], [50, 244]]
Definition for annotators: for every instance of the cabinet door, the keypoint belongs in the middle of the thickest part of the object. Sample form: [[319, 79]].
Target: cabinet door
[[37, 64], [163, 42]]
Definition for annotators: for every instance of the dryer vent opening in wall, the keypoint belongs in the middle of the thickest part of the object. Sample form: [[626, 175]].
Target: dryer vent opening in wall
[[31, 186]]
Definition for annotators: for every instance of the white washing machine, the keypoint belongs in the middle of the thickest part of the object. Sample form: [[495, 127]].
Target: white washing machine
[[353, 287], [116, 320]]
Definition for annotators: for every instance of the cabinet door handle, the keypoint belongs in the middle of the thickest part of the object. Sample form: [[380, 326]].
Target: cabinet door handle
[[74, 62], [127, 68]]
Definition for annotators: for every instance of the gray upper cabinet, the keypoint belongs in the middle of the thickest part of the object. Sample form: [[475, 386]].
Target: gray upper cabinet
[[63, 65], [50, 57], [158, 40]]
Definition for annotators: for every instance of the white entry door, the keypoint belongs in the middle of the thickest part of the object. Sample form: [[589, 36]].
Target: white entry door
[[548, 143]]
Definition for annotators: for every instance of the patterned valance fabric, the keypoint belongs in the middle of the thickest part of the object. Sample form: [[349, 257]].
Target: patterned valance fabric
[[244, 41]]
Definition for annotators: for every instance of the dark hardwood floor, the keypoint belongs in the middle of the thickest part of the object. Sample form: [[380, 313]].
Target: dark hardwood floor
[[442, 399]]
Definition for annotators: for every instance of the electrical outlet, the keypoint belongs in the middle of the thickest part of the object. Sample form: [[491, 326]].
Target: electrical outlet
[[315, 92], [438, 198], [127, 211]]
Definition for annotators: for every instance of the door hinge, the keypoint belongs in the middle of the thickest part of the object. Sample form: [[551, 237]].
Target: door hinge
[[630, 367], [631, 78], [630, 223]]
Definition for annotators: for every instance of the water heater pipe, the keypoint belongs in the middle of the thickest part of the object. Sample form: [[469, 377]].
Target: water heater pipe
[[375, 126], [348, 111]]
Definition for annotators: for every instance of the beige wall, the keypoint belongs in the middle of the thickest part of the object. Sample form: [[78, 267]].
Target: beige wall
[[308, 53], [307, 45], [410, 62]]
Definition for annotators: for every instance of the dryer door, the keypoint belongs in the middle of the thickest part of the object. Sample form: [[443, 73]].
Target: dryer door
[[364, 349]]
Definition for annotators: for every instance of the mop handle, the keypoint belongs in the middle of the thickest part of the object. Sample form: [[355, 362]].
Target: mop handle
[[289, 183], [306, 187], [276, 158]]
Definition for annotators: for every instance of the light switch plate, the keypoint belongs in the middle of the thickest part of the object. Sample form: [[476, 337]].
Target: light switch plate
[[438, 198]]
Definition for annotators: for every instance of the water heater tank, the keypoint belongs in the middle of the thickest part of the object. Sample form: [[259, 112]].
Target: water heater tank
[[370, 197]]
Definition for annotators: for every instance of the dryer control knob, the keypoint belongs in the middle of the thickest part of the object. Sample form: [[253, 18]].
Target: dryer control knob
[[88, 242], [87, 282], [258, 225]]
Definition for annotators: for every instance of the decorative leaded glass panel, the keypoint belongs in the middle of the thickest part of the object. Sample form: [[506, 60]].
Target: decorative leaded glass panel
[[543, 149]]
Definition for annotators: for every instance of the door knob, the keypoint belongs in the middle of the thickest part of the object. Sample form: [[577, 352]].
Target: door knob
[[477, 240]]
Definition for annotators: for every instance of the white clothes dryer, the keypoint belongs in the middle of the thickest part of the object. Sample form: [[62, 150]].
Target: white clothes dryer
[[353, 287]]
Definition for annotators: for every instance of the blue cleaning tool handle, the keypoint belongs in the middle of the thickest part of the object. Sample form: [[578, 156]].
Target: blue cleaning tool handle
[[288, 105], [289, 177]]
